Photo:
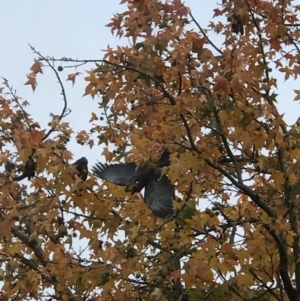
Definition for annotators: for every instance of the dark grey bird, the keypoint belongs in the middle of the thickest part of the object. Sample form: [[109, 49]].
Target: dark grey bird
[[80, 168], [28, 170], [158, 189]]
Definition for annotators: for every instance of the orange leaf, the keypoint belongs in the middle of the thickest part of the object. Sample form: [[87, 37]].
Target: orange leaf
[[298, 94], [72, 77], [93, 117], [222, 84], [31, 81], [91, 143], [37, 67]]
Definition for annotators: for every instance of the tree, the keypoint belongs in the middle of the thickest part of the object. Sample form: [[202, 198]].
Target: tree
[[234, 163]]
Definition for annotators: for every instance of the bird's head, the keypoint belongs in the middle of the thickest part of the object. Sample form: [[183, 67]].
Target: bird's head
[[81, 165], [82, 161]]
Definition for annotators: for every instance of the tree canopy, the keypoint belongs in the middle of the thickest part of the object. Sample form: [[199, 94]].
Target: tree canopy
[[234, 234]]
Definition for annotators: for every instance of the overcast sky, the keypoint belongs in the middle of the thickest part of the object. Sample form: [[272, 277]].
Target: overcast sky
[[76, 29]]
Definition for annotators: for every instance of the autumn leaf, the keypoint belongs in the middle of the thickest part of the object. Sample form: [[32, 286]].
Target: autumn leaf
[[297, 97], [31, 81], [72, 77], [91, 143], [221, 84], [37, 67]]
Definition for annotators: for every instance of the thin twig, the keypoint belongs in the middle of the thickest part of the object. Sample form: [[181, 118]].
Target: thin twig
[[65, 110]]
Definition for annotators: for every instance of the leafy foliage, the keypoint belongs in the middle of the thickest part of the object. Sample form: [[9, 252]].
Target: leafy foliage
[[235, 231]]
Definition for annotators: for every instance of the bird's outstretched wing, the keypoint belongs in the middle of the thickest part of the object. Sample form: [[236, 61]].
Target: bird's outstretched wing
[[158, 196], [120, 174]]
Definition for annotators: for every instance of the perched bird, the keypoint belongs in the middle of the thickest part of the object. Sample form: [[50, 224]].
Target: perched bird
[[237, 24], [28, 171], [30, 167], [79, 168], [158, 189]]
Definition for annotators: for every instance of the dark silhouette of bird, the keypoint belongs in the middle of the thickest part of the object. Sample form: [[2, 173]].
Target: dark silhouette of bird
[[158, 189], [237, 24], [79, 168], [30, 167], [28, 170]]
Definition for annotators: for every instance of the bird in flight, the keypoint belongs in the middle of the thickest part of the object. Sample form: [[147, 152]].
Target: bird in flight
[[159, 191]]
